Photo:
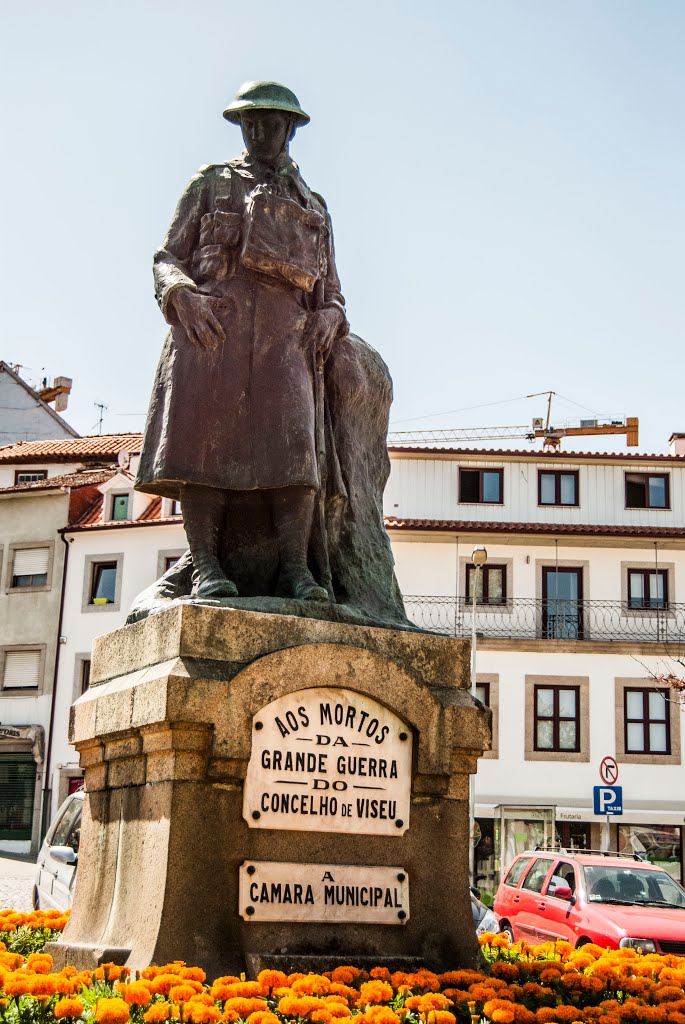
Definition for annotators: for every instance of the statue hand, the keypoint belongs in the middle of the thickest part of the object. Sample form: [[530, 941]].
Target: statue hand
[[322, 329], [195, 312]]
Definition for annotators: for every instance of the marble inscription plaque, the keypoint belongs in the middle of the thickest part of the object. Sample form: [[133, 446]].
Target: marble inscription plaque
[[329, 760], [333, 893]]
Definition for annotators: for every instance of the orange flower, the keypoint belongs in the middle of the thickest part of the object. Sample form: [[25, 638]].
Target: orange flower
[[438, 1017], [264, 1016], [135, 993], [311, 984], [112, 972], [198, 1013], [500, 1011], [163, 983], [244, 1007], [321, 1015], [192, 974], [430, 1001], [348, 975], [41, 963], [158, 1012], [182, 993], [111, 1011], [270, 980], [375, 992], [16, 984], [68, 1008], [380, 1015]]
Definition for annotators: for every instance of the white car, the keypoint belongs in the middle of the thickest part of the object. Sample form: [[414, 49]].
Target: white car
[[58, 857]]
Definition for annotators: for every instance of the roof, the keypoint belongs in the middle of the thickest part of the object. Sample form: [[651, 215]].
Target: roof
[[533, 455], [100, 446], [67, 481], [92, 517], [4, 368], [580, 529]]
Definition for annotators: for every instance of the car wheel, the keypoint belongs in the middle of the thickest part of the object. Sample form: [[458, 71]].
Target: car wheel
[[582, 941], [506, 929]]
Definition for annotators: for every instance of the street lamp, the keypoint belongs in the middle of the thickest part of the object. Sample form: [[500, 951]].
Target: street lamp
[[478, 558]]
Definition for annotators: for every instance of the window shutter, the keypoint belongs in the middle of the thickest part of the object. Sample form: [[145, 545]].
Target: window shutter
[[22, 668], [31, 561], [17, 788]]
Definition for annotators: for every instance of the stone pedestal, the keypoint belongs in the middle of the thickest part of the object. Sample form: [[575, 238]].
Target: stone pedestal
[[165, 735]]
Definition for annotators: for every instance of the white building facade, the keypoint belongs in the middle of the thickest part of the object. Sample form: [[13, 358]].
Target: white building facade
[[580, 606]]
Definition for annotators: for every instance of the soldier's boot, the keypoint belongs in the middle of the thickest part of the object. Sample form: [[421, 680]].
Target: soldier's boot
[[293, 512], [204, 510]]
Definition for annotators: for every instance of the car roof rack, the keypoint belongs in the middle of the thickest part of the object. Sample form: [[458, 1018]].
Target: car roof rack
[[591, 853]]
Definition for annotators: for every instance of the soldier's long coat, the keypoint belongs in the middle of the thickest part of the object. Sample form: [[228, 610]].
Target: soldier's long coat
[[241, 417]]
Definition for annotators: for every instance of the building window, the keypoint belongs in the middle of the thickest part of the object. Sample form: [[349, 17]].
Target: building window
[[647, 724], [25, 476], [647, 490], [103, 583], [22, 669], [482, 486], [30, 567], [647, 588], [17, 793], [119, 507], [483, 693], [491, 583], [170, 562], [84, 675], [557, 488], [557, 718], [176, 508]]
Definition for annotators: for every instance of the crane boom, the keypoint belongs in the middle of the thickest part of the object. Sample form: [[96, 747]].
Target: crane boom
[[551, 436]]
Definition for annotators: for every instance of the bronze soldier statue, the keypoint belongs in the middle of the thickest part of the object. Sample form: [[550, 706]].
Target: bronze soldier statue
[[246, 278], [268, 419]]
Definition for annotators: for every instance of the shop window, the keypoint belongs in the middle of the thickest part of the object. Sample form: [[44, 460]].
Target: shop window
[[22, 669], [647, 724], [557, 718], [120, 507], [25, 476], [485, 876], [647, 490], [491, 584], [481, 486], [647, 588], [17, 793], [657, 844], [103, 583], [30, 567], [557, 487]]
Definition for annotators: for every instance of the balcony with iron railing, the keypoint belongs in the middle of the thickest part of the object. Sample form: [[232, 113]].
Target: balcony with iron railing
[[526, 618]]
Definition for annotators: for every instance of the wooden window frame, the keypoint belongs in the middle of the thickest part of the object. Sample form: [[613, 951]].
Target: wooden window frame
[[646, 573], [112, 498], [646, 721], [89, 567], [485, 572], [481, 471], [557, 474], [555, 719], [647, 477]]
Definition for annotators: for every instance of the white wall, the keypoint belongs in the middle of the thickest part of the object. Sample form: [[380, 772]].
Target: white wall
[[423, 487]]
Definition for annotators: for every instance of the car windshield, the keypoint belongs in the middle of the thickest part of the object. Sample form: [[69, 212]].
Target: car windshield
[[631, 884]]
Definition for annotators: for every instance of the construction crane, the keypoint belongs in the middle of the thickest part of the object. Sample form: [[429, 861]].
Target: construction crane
[[551, 436]]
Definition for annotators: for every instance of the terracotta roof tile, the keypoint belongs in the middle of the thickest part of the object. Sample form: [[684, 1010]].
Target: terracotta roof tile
[[68, 480], [533, 455], [580, 529], [153, 511], [103, 446]]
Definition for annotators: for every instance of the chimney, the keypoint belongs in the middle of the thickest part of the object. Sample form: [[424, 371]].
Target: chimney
[[676, 444], [57, 392]]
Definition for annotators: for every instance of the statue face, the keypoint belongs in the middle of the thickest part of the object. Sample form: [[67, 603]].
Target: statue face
[[266, 134]]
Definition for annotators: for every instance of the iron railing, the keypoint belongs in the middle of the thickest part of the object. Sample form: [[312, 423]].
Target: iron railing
[[526, 618]]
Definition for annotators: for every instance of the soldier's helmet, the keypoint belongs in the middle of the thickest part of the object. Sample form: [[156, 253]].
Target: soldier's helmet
[[265, 96]]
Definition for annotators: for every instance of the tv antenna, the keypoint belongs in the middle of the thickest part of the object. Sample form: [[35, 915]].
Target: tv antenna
[[103, 409]]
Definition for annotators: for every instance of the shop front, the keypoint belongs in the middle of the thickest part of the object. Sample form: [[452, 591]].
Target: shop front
[[502, 832], [21, 775]]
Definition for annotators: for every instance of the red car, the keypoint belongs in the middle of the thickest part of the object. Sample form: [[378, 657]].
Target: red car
[[592, 897]]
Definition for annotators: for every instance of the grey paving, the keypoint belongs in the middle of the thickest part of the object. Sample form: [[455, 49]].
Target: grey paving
[[16, 882]]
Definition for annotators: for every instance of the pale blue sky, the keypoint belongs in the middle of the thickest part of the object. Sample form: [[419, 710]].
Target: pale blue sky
[[505, 179]]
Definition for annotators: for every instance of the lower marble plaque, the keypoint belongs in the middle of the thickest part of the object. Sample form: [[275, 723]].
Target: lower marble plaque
[[330, 893]]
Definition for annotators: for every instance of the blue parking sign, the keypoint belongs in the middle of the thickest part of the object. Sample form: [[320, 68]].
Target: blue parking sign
[[608, 799]]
